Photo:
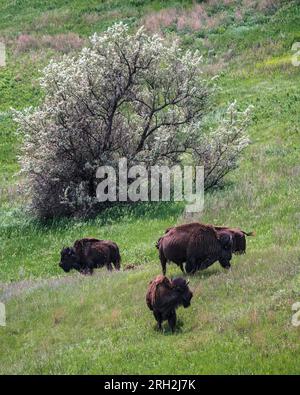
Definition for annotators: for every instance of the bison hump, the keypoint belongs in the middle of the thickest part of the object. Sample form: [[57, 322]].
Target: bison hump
[[154, 285]]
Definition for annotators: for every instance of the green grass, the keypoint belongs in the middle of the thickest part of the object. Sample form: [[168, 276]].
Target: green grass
[[239, 322], [27, 241]]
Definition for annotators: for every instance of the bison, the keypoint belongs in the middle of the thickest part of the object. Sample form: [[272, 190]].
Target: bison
[[88, 254], [164, 296], [195, 244], [238, 238]]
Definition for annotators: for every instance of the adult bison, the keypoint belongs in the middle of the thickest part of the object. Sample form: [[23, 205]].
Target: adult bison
[[88, 254], [164, 296], [238, 238], [196, 244]]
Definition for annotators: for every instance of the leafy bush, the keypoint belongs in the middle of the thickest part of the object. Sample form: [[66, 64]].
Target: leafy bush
[[127, 95], [219, 149]]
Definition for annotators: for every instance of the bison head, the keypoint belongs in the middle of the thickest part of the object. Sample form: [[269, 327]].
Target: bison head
[[226, 248], [68, 259], [180, 286]]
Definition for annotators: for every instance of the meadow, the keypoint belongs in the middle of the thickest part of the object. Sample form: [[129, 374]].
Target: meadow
[[239, 321]]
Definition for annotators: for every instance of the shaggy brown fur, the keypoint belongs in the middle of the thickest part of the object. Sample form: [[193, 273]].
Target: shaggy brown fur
[[164, 296], [160, 280], [238, 238], [166, 231], [197, 244], [90, 253]]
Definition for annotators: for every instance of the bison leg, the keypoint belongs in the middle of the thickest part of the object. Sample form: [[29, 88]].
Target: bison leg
[[191, 266], [109, 266], [225, 265], [89, 267], [117, 260], [87, 271], [163, 262], [206, 263], [172, 320], [158, 318], [117, 264]]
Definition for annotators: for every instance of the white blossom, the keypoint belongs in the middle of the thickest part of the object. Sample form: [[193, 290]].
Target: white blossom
[[127, 95]]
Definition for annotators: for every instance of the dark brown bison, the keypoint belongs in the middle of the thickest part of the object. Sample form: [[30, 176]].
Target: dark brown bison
[[195, 244], [88, 254], [164, 296], [238, 238]]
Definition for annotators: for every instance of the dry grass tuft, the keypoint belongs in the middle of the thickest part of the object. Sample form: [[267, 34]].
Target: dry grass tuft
[[60, 42], [58, 316], [206, 16]]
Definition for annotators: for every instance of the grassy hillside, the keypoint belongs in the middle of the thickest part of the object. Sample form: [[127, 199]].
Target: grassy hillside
[[239, 321]]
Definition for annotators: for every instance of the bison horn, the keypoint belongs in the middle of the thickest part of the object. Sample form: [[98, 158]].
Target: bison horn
[[188, 281]]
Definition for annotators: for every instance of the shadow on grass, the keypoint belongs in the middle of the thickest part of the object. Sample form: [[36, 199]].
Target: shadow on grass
[[199, 275], [203, 274], [20, 219], [166, 330]]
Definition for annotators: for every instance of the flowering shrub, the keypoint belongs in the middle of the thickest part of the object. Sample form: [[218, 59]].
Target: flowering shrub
[[126, 95], [219, 149]]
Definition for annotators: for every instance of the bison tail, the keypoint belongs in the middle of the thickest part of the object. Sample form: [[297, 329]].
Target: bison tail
[[118, 259], [250, 233], [157, 243]]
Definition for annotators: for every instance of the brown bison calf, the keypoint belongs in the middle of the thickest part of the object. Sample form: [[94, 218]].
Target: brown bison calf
[[164, 296], [195, 244], [88, 254]]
